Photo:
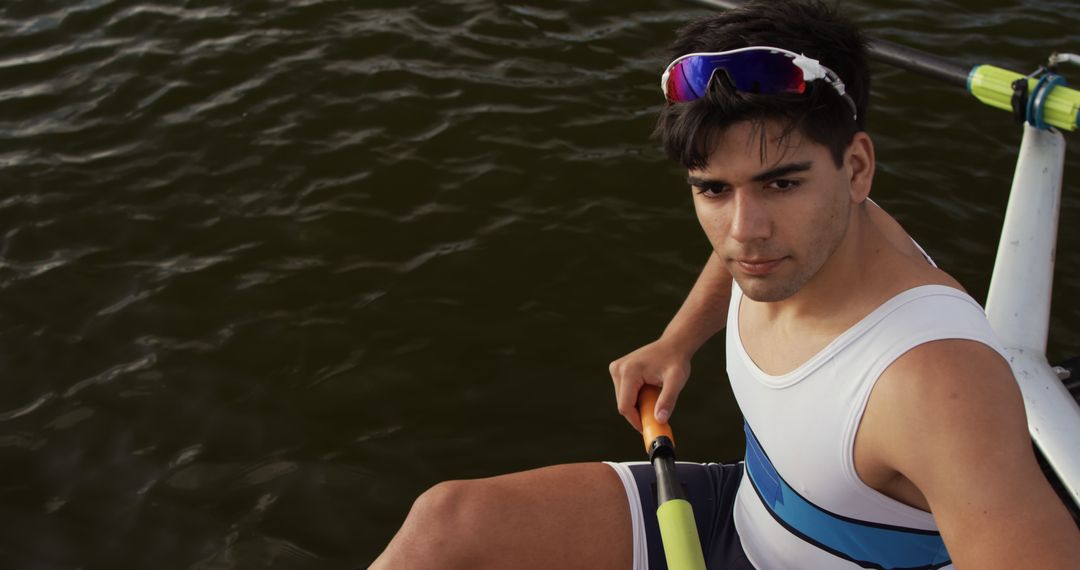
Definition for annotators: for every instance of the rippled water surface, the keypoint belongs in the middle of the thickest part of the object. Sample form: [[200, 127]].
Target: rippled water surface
[[269, 269]]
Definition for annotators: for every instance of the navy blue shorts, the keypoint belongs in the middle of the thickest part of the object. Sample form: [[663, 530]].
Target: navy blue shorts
[[710, 488]]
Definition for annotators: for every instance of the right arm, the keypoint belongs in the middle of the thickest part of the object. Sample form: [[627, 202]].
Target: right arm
[[665, 362]]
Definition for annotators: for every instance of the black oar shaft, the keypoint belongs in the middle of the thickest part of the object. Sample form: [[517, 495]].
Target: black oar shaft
[[667, 488], [919, 61], [663, 460], [893, 54]]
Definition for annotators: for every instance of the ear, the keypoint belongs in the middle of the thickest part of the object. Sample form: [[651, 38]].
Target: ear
[[859, 166]]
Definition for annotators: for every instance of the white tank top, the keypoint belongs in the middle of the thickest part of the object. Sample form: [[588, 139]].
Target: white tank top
[[800, 503]]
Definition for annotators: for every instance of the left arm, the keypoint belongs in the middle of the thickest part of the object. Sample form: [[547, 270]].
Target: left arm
[[948, 416]]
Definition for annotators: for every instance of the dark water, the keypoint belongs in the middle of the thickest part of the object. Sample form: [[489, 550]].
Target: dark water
[[268, 269]]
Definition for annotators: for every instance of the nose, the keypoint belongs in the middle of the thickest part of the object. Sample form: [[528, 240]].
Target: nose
[[750, 219]]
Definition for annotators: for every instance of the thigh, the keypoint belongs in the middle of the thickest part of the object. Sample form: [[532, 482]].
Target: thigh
[[564, 516]]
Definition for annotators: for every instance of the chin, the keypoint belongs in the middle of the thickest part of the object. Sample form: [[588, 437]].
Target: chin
[[766, 290]]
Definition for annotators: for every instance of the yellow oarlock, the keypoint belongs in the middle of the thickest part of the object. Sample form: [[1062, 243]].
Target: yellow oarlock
[[993, 85]]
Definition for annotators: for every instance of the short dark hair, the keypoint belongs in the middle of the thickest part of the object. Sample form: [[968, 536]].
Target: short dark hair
[[688, 131]]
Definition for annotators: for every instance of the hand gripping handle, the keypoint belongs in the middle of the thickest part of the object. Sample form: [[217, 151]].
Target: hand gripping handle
[[651, 429]]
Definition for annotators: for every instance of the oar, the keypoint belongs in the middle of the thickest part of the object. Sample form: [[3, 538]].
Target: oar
[[1042, 100], [682, 547]]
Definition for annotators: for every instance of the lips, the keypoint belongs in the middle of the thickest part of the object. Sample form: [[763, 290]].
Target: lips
[[758, 266]]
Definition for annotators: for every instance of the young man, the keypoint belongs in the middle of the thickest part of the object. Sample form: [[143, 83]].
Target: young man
[[884, 427]]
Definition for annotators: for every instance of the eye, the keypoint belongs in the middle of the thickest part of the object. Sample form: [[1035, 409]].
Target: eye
[[711, 191], [784, 184]]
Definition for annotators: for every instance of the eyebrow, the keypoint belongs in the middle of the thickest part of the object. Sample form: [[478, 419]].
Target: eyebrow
[[770, 174]]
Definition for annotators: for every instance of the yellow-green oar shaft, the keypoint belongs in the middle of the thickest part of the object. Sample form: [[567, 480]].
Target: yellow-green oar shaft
[[682, 547]]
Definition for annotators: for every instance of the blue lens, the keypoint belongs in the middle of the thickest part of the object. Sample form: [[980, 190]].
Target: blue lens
[[753, 71]]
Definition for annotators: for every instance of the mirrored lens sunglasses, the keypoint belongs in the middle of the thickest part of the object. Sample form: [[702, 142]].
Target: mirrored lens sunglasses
[[757, 69]]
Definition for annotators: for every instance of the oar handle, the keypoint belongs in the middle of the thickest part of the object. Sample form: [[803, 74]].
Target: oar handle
[[650, 428]]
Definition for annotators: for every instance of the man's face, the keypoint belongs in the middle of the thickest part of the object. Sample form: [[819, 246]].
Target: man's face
[[774, 217]]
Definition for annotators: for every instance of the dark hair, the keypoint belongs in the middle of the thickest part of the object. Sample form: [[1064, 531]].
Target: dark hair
[[688, 131]]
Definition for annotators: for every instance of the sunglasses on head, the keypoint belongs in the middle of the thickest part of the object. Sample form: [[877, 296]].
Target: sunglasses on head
[[757, 69]]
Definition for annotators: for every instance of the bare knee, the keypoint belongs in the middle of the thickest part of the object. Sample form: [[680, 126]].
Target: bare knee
[[442, 530], [446, 508]]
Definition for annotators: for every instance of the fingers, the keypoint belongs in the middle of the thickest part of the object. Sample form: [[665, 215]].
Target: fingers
[[669, 394], [639, 368], [626, 391]]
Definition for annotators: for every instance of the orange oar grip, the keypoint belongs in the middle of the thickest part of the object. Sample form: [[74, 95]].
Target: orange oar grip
[[651, 429]]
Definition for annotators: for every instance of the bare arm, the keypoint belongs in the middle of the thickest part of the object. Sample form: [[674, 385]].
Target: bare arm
[[704, 312], [949, 417], [666, 361]]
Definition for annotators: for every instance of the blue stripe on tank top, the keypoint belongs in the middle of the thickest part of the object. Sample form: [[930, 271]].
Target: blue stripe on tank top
[[870, 545]]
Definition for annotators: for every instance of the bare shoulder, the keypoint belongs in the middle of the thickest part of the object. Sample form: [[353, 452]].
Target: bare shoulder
[[951, 421], [953, 372], [957, 396], [916, 266]]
